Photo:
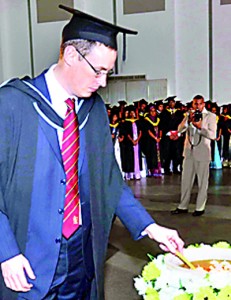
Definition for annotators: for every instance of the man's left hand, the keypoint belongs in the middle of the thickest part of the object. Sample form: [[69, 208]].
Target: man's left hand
[[168, 239], [198, 124]]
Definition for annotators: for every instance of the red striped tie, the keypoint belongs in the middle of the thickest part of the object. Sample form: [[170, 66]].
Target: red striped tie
[[70, 154]]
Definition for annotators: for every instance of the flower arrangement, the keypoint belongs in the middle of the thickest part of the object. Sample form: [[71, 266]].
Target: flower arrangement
[[159, 282]]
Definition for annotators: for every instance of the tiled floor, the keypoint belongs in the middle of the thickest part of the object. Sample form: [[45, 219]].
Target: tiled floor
[[126, 257]]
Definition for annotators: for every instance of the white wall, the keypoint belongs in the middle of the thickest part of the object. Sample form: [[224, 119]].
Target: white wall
[[46, 41], [171, 45], [14, 39], [47, 38], [152, 51], [221, 52], [101, 8], [15, 56], [192, 49]]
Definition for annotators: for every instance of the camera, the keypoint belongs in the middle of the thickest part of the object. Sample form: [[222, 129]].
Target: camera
[[197, 115]]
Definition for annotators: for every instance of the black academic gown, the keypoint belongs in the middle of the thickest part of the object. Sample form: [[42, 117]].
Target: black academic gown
[[128, 156], [151, 154]]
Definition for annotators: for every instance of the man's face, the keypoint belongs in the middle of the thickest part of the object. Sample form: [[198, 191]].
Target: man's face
[[126, 114], [143, 106], [198, 104], [161, 107], [225, 110], [114, 118], [132, 114], [214, 110], [172, 103], [82, 80], [153, 112]]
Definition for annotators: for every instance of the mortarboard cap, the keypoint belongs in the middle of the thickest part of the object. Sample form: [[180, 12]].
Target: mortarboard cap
[[158, 102], [214, 104], [178, 104], [209, 101], [122, 102], [108, 105], [115, 110], [168, 99], [143, 101], [131, 108], [136, 103], [189, 104], [88, 27]]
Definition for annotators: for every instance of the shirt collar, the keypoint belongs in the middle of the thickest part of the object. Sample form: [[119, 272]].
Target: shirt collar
[[57, 93], [204, 111]]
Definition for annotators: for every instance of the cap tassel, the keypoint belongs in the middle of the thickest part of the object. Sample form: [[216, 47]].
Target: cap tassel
[[124, 46]]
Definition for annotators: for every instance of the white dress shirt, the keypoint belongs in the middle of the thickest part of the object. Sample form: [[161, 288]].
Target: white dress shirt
[[58, 96]]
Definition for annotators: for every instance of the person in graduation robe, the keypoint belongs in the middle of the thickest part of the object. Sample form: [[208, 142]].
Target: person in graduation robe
[[132, 165], [115, 134], [122, 140], [141, 112], [114, 126], [153, 143], [226, 132], [37, 260], [170, 120], [216, 144]]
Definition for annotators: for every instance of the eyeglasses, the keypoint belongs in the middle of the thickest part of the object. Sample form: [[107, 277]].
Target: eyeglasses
[[98, 73]]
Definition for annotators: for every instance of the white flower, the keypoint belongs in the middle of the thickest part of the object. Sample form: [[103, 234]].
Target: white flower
[[220, 279], [204, 246], [192, 286], [159, 261], [168, 280], [140, 285], [168, 293], [173, 282]]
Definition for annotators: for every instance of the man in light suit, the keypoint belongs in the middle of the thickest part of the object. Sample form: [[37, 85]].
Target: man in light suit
[[38, 261], [200, 127]]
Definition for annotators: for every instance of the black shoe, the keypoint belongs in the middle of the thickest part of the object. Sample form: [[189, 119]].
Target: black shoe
[[198, 213], [177, 172], [179, 211], [167, 173]]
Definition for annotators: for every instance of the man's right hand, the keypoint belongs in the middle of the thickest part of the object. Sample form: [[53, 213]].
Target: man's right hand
[[14, 272]]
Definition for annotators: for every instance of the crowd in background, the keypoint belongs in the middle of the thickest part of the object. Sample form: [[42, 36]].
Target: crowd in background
[[147, 142]]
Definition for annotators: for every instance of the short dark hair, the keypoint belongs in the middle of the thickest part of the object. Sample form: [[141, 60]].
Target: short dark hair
[[198, 97]]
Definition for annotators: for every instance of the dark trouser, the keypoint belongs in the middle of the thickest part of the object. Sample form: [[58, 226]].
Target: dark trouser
[[171, 151], [226, 138], [70, 281]]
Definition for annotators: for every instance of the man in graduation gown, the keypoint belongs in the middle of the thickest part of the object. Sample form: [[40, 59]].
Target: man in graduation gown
[[38, 261], [170, 119]]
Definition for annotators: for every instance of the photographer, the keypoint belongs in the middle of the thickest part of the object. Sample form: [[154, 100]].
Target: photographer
[[200, 126]]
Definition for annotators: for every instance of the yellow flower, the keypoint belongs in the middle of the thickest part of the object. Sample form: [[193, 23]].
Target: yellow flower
[[151, 294], [221, 244], [150, 272], [205, 293], [183, 297], [193, 246], [225, 293]]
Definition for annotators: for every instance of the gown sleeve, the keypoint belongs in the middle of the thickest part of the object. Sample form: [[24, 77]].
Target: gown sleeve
[[132, 213]]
